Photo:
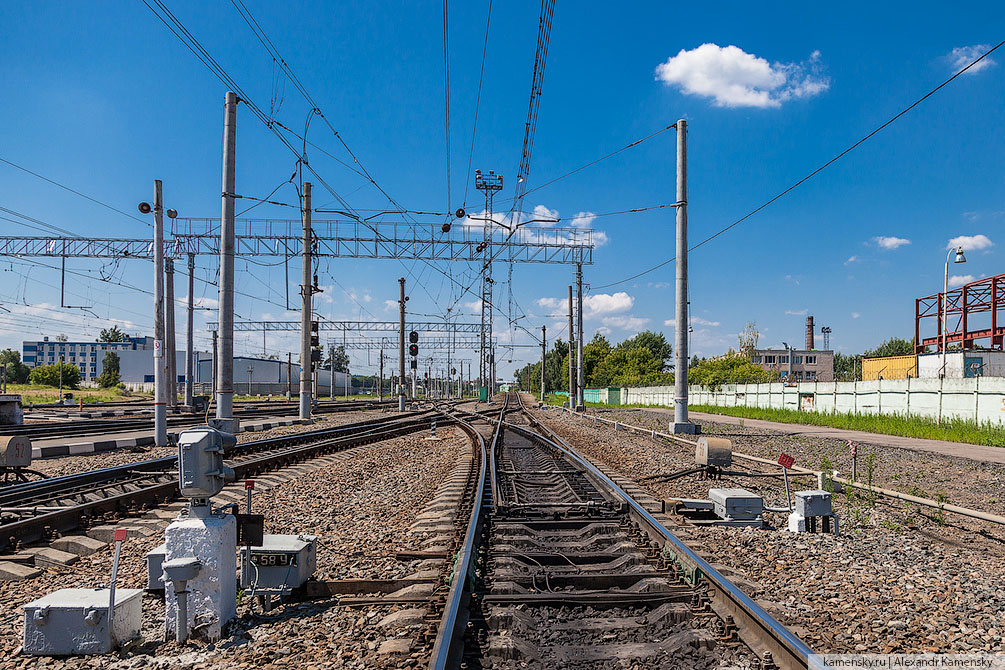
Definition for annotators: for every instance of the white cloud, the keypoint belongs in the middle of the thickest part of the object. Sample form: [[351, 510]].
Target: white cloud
[[960, 280], [890, 242], [855, 315], [596, 305], [851, 259], [797, 312], [960, 57], [390, 305], [970, 242], [624, 322], [734, 78], [474, 305], [582, 220], [695, 321], [604, 330], [659, 284], [200, 303]]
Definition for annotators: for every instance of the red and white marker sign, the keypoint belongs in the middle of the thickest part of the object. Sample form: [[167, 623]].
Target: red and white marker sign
[[854, 449], [249, 484], [786, 461], [120, 535]]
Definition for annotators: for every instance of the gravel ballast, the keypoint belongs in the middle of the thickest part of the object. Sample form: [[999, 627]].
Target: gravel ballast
[[898, 578], [360, 507]]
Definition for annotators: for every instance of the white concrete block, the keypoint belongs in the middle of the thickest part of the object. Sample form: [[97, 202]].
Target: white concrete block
[[212, 595], [75, 621]]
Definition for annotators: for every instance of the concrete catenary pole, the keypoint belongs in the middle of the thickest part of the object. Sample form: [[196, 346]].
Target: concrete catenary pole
[[572, 356], [225, 366], [160, 410], [170, 348], [680, 420], [216, 359], [544, 357], [331, 359], [380, 381], [580, 375], [190, 332], [401, 345], [306, 290]]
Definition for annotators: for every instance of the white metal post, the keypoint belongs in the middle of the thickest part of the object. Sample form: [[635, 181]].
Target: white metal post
[[190, 333], [681, 424], [225, 365], [306, 289], [160, 409], [171, 385]]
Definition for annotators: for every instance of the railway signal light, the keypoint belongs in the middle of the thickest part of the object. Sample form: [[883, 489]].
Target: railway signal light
[[415, 364], [413, 337], [413, 350]]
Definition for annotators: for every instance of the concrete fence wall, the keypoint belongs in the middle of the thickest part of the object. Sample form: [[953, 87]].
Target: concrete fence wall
[[978, 398]]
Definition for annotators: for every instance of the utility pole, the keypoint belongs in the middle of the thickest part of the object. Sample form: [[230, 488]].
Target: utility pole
[[572, 356], [190, 332], [289, 375], [225, 380], [306, 291], [380, 382], [216, 355], [331, 359], [544, 356], [169, 339], [401, 345], [160, 410], [348, 377], [580, 377], [489, 184], [681, 424]]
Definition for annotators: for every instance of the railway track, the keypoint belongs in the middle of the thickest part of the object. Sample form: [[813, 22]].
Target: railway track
[[40, 510], [561, 567], [79, 427]]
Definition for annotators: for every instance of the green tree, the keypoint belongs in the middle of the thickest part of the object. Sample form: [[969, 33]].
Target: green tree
[[17, 372], [48, 375], [655, 343], [109, 376], [112, 334], [594, 352], [341, 359], [733, 368], [847, 367], [895, 346]]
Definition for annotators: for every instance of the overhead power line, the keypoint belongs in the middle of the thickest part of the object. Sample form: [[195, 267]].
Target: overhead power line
[[814, 172], [536, 87], [446, 93], [478, 100], [75, 192]]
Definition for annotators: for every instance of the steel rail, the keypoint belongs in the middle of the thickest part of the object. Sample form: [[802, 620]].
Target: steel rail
[[35, 528], [889, 493], [99, 426], [758, 629], [448, 647]]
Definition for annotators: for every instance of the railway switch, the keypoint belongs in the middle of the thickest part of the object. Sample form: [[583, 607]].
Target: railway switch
[[714, 451], [813, 508], [279, 564], [201, 471]]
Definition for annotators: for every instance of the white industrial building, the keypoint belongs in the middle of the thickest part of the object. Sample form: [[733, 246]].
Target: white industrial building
[[962, 364]]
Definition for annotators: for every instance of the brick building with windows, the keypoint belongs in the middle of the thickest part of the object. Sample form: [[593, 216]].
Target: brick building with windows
[[85, 355], [798, 365]]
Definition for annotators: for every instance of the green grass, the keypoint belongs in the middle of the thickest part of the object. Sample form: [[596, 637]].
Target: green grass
[[952, 430], [39, 394]]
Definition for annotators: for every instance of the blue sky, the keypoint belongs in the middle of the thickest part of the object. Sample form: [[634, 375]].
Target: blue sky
[[103, 98]]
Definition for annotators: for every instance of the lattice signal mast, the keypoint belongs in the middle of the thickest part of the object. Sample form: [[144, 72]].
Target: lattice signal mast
[[826, 332], [489, 184]]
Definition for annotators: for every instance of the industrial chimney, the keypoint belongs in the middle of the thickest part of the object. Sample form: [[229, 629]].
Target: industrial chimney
[[809, 333]]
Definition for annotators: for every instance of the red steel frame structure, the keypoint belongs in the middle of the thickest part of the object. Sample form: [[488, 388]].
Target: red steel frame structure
[[977, 297]]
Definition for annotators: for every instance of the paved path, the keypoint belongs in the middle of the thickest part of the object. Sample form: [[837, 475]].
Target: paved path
[[960, 449]]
